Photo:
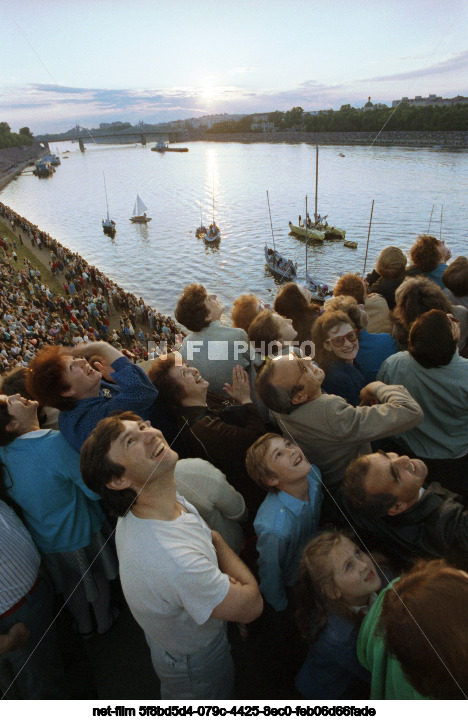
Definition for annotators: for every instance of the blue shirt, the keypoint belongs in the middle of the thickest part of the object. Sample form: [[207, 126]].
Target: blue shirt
[[374, 348], [132, 391], [284, 525], [437, 273], [44, 479], [345, 380]]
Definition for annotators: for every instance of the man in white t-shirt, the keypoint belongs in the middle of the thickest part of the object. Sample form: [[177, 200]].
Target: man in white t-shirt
[[181, 580]]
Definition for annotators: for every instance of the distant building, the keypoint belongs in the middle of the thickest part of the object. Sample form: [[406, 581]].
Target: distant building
[[117, 124], [430, 100], [368, 105], [260, 121]]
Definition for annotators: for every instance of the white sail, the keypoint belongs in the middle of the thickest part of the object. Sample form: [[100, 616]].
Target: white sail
[[139, 207]]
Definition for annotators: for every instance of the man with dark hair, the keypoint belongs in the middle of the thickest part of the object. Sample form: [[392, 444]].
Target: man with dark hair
[[213, 348], [384, 498], [181, 580], [330, 431]]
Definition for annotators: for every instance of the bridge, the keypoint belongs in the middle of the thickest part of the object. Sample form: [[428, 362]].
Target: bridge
[[124, 137]]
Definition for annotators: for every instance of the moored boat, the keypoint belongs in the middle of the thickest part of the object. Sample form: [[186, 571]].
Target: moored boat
[[43, 169], [312, 234], [162, 146], [282, 267], [139, 212], [108, 225], [213, 234]]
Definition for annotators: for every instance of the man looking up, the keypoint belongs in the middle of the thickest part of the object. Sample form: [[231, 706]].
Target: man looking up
[[386, 499], [330, 431], [181, 580], [213, 348]]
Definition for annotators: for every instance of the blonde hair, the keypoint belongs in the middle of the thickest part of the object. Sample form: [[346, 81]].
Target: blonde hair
[[255, 462]]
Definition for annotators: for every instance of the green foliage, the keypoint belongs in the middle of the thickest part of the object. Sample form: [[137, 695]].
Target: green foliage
[[12, 140], [244, 125], [25, 131]]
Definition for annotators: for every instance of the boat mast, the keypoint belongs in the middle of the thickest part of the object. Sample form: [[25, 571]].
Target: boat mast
[[316, 183], [430, 218], [440, 236], [105, 190], [306, 240], [368, 236], [213, 197], [201, 219], [271, 224]]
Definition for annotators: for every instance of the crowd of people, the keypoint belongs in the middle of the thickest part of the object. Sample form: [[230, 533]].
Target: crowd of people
[[88, 307], [301, 473]]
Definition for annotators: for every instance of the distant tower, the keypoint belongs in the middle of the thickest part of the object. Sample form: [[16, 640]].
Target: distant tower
[[368, 105]]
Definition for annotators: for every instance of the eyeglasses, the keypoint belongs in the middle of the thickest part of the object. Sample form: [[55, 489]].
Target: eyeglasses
[[339, 340], [303, 369]]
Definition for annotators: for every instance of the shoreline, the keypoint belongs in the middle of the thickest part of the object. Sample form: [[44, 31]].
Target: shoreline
[[14, 160], [447, 139]]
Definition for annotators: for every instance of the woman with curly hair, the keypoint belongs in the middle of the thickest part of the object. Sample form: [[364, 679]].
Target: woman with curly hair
[[389, 273], [429, 257], [338, 585], [295, 302], [336, 339]]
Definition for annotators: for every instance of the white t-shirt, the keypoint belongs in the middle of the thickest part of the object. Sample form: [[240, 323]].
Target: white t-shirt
[[171, 579]]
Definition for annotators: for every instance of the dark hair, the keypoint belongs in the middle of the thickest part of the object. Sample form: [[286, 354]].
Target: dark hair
[[96, 468], [351, 284], [45, 383], [414, 297], [455, 276], [431, 342], [425, 624], [171, 393], [371, 505], [290, 302], [15, 382], [425, 253], [6, 437], [191, 308], [274, 397], [321, 332], [244, 309], [264, 328]]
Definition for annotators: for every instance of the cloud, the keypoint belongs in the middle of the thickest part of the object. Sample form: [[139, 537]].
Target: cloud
[[454, 64], [243, 70]]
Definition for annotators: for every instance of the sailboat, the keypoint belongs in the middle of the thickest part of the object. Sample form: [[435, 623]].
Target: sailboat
[[319, 229], [108, 225], [139, 212], [201, 230], [214, 233]]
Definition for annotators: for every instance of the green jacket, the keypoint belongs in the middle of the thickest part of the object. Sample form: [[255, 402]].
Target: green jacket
[[388, 678]]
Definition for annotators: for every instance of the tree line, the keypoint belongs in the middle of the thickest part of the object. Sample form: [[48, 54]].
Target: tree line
[[13, 140], [347, 119]]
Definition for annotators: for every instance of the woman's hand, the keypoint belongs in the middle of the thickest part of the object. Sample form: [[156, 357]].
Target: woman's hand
[[239, 391]]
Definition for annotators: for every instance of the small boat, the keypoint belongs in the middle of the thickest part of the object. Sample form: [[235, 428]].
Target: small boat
[[43, 169], [214, 234], [282, 267], [52, 159], [318, 290], [108, 225], [139, 212], [162, 146], [201, 231], [350, 244], [312, 234]]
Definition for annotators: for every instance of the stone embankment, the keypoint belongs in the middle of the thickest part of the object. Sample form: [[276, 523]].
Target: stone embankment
[[449, 139], [14, 160]]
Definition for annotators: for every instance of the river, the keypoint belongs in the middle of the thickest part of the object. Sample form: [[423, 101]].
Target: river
[[158, 260]]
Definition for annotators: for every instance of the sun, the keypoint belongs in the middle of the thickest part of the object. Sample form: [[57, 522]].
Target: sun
[[208, 91]]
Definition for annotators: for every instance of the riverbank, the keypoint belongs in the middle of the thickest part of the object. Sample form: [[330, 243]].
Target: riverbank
[[14, 160], [456, 140]]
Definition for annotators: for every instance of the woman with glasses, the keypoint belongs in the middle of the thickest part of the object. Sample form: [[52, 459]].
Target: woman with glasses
[[336, 347]]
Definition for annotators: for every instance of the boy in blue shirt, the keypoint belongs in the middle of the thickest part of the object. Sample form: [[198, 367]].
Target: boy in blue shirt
[[289, 515]]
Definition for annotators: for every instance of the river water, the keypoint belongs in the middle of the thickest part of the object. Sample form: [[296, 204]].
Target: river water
[[158, 260]]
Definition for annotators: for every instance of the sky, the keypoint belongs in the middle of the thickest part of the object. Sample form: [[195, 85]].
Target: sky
[[65, 62]]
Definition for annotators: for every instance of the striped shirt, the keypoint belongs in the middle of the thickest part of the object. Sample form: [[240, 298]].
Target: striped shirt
[[19, 559]]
